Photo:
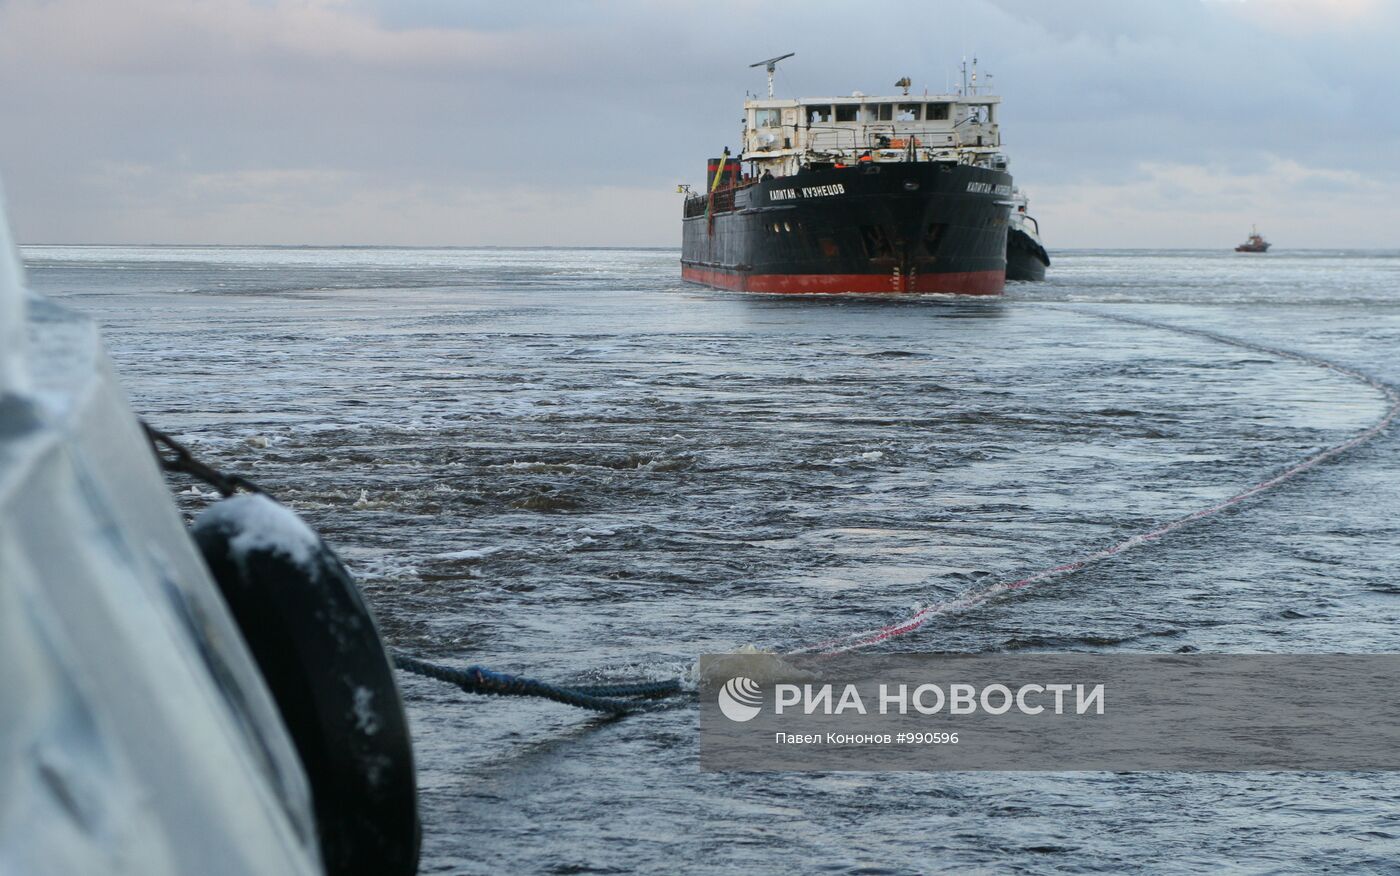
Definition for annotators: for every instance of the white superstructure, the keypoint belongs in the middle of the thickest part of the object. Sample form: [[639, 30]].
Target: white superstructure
[[1020, 219], [782, 135]]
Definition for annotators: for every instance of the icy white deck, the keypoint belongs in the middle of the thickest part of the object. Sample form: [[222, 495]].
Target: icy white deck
[[136, 736]]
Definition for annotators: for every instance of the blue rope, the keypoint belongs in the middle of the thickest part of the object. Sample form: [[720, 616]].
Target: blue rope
[[650, 689], [607, 698]]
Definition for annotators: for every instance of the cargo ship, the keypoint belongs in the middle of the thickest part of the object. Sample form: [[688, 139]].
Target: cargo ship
[[859, 194], [1026, 258]]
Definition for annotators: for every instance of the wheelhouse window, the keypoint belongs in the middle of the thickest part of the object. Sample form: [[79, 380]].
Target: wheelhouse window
[[770, 118], [908, 112], [847, 112], [882, 112], [936, 112], [817, 114]]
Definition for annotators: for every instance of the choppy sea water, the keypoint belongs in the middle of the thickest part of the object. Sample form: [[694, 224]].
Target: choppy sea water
[[569, 463]]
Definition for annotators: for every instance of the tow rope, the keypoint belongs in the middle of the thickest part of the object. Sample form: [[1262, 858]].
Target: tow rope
[[866, 638], [614, 699], [175, 457]]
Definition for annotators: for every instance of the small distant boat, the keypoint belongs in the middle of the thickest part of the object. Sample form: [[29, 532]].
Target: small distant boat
[[1256, 243]]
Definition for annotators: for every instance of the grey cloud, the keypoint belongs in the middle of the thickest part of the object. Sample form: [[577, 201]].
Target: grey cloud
[[166, 120]]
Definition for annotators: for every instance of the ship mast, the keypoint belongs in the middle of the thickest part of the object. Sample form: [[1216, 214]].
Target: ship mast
[[772, 65]]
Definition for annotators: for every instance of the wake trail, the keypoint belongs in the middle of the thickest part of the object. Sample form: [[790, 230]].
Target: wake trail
[[867, 638]]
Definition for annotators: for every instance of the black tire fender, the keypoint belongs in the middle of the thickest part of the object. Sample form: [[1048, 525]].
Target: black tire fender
[[319, 651]]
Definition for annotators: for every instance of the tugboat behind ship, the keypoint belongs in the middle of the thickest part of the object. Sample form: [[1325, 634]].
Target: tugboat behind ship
[[1026, 258], [1256, 243], [856, 194]]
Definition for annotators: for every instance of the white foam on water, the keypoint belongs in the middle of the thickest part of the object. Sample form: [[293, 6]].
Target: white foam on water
[[470, 554], [748, 661], [869, 456]]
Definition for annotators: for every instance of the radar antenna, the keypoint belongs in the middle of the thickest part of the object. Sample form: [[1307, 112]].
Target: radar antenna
[[772, 65]]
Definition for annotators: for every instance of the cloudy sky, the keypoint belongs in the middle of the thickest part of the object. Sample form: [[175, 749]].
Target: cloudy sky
[[457, 122]]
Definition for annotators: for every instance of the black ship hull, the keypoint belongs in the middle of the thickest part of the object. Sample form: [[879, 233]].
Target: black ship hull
[[1026, 259], [888, 227]]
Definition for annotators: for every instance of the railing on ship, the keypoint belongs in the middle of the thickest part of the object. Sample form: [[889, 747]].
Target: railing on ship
[[834, 138], [837, 139], [696, 204]]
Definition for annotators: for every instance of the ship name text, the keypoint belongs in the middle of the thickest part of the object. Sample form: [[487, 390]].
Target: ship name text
[[982, 188], [807, 192]]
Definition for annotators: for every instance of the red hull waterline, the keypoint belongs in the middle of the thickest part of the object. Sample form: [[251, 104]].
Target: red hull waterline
[[966, 283]]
